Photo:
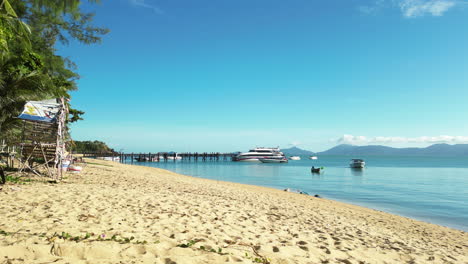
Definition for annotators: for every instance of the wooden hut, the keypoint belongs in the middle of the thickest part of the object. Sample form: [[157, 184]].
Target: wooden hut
[[42, 147]]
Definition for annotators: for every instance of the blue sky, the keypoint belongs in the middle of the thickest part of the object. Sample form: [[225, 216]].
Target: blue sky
[[229, 75]]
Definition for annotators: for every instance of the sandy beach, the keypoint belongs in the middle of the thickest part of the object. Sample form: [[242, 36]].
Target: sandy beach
[[115, 213]]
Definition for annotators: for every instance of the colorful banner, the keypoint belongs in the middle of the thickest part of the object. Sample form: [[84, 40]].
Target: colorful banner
[[45, 111]]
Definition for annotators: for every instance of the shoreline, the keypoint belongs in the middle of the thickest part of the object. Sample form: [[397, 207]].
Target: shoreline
[[404, 213], [182, 219]]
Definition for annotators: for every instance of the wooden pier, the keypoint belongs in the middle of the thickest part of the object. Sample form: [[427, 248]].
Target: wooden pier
[[163, 157]]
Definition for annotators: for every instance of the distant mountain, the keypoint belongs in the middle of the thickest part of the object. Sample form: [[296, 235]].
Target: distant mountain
[[375, 150], [296, 151]]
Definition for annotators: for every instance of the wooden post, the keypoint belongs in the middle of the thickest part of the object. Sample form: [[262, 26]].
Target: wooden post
[[2, 176]]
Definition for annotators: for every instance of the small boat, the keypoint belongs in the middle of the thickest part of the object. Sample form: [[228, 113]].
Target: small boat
[[75, 168], [315, 170], [142, 159], [357, 163], [313, 157], [112, 158], [273, 160], [295, 158]]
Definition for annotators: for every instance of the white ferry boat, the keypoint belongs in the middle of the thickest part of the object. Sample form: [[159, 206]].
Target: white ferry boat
[[259, 153], [357, 163]]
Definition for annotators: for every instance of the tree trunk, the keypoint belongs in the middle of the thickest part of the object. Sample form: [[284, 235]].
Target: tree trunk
[[2, 175]]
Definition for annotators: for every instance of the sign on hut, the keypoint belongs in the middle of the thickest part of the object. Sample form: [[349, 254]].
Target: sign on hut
[[43, 139]]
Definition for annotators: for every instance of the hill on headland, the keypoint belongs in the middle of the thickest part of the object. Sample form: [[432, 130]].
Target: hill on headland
[[296, 151], [90, 147], [376, 150]]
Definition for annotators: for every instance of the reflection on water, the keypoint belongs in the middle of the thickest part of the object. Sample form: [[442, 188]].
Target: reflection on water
[[357, 171], [411, 187]]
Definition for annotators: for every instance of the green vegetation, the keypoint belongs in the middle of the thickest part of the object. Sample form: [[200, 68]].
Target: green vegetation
[[14, 179], [96, 237], [188, 244], [91, 147], [30, 68], [256, 259]]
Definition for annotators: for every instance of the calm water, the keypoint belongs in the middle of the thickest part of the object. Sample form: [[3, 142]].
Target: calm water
[[430, 189]]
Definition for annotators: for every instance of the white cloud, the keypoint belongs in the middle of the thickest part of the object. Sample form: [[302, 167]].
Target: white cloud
[[144, 4], [362, 140], [416, 8], [411, 8]]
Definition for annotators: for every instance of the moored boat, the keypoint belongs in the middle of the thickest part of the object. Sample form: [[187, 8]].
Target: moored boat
[[259, 153], [74, 168], [313, 157], [357, 163], [295, 158], [315, 170]]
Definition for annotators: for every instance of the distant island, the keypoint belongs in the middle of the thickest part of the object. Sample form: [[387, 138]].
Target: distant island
[[295, 151], [436, 150]]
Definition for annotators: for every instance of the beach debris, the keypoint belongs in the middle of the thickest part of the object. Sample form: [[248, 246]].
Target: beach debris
[[295, 191]]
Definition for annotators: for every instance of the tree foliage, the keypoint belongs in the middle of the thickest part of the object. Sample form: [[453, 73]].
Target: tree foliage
[[30, 68], [91, 147]]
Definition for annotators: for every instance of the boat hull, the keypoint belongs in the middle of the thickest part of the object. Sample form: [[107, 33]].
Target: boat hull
[[248, 160], [273, 160], [357, 165]]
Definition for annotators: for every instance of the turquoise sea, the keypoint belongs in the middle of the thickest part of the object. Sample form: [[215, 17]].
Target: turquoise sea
[[431, 189]]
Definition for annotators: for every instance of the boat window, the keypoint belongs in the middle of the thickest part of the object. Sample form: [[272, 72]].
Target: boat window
[[256, 155]]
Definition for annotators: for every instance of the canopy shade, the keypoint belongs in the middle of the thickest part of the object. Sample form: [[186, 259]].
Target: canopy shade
[[44, 111]]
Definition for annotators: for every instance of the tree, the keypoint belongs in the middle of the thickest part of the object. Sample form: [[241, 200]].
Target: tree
[[11, 27], [30, 68], [91, 147]]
